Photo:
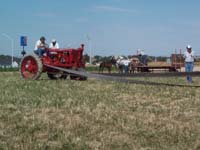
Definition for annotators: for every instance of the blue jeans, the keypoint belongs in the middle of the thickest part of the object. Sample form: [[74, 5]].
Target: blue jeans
[[189, 68], [144, 59], [40, 52], [126, 69]]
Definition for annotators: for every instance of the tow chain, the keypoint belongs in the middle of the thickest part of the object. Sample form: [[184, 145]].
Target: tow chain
[[120, 77], [167, 74]]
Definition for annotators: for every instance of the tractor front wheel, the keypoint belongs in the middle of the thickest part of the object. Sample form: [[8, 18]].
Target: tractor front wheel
[[31, 67]]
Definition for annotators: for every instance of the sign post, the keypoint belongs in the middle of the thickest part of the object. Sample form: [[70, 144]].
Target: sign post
[[23, 43]]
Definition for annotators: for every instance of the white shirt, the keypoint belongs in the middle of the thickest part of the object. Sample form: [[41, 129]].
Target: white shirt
[[38, 43], [189, 57], [54, 47], [126, 62]]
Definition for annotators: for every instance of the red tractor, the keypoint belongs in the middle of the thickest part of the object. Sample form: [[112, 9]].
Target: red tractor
[[32, 66]]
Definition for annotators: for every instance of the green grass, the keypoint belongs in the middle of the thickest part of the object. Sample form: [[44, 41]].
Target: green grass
[[92, 114]]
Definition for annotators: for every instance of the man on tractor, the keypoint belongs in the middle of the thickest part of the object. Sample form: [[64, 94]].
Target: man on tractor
[[54, 44], [40, 46]]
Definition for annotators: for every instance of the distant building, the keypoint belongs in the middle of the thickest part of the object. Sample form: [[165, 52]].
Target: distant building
[[15, 64], [5, 61]]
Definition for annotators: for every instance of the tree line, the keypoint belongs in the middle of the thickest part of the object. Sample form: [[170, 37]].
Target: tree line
[[5, 60]]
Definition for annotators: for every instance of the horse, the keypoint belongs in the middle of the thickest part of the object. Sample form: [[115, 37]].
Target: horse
[[133, 65], [119, 65], [139, 63], [107, 64]]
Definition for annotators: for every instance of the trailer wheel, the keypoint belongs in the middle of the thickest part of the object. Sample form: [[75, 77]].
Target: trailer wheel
[[56, 76], [31, 67], [172, 69]]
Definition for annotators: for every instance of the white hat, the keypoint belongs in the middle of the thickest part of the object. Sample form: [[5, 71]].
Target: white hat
[[53, 40], [189, 46], [140, 52], [120, 57]]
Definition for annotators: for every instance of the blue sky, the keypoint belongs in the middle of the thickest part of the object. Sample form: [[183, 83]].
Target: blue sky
[[115, 26]]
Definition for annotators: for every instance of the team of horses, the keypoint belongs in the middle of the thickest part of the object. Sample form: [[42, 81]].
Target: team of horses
[[134, 64]]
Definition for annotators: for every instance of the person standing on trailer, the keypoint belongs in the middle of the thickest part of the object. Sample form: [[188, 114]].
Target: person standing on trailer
[[40, 46], [143, 57], [54, 44], [189, 61]]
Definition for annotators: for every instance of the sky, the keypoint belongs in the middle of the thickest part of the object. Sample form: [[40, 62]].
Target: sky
[[114, 27]]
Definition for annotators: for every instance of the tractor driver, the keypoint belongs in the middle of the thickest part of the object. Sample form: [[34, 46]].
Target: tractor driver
[[54, 44], [40, 46]]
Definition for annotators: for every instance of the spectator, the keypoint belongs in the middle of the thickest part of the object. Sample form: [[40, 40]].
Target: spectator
[[189, 62], [126, 63]]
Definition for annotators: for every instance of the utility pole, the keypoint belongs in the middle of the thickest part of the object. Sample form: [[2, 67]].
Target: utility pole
[[90, 47], [12, 45]]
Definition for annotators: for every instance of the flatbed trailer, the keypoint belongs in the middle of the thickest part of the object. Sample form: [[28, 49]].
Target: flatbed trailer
[[153, 68]]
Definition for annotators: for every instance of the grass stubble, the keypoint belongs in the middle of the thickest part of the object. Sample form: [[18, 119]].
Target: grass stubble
[[93, 114]]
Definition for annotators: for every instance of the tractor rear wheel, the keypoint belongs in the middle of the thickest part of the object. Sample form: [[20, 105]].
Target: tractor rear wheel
[[31, 67]]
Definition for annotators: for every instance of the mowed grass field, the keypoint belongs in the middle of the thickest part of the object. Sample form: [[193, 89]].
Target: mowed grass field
[[84, 115]]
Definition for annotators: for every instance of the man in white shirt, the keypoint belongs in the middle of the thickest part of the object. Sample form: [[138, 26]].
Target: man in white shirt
[[189, 62], [54, 44], [125, 63], [40, 46]]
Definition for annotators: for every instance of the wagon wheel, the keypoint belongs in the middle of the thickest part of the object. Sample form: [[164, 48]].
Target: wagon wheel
[[56, 76], [31, 67]]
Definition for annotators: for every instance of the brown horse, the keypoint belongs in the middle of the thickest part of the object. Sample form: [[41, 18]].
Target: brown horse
[[133, 64], [107, 64]]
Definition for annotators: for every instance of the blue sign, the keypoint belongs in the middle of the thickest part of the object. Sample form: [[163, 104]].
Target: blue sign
[[23, 40]]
